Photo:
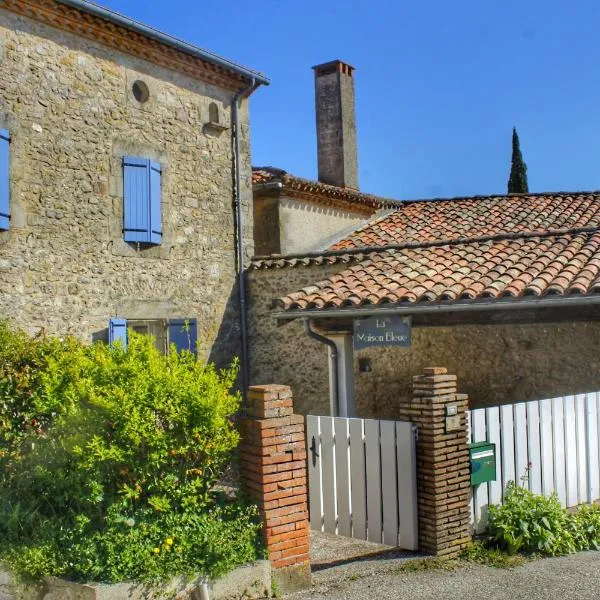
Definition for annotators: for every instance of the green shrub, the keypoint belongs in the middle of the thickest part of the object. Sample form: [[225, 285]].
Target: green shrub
[[587, 524], [528, 522], [119, 483], [22, 361], [531, 523]]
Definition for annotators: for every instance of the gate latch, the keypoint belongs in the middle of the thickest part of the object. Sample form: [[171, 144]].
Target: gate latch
[[313, 450]]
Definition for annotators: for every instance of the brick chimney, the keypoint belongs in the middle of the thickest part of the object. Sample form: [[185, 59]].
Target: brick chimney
[[336, 124]]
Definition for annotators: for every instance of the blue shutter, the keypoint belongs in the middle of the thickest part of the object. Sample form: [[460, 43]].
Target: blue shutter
[[184, 334], [117, 332], [4, 179], [155, 204], [142, 220]]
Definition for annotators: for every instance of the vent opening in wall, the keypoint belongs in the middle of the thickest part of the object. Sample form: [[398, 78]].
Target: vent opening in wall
[[140, 91], [213, 113]]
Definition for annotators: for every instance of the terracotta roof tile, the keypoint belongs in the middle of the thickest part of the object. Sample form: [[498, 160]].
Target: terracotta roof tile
[[565, 264], [318, 190], [438, 220]]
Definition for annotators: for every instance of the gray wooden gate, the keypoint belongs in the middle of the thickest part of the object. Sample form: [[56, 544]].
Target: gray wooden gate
[[362, 479]]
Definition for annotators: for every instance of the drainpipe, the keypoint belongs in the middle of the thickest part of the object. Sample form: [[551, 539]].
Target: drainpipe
[[334, 362], [239, 214]]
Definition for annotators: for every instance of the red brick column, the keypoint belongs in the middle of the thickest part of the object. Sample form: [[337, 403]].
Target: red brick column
[[274, 474], [443, 472]]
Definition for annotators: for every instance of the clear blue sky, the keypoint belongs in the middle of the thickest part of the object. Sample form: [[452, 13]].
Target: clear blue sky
[[439, 85]]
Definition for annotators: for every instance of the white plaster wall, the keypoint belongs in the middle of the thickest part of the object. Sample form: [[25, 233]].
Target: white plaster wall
[[305, 226]]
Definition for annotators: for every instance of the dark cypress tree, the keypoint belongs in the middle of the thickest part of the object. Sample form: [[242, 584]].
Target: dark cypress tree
[[517, 182]]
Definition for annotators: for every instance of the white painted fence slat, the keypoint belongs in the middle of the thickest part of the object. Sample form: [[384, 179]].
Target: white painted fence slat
[[358, 477], [591, 434], [507, 449], [363, 479], [342, 474], [581, 441], [555, 442], [328, 475], [493, 432], [547, 448], [373, 464], [520, 429], [407, 486], [389, 484], [558, 439], [533, 446], [480, 492], [571, 450], [314, 472]]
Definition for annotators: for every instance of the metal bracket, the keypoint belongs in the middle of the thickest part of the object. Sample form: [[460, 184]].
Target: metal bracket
[[313, 450]]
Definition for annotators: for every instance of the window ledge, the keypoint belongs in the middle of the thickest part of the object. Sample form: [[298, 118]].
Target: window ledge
[[215, 128]]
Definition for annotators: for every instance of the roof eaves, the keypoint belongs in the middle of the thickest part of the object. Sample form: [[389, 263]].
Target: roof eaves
[[122, 21], [408, 308]]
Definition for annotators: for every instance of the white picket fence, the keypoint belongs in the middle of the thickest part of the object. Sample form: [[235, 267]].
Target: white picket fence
[[546, 445], [362, 479]]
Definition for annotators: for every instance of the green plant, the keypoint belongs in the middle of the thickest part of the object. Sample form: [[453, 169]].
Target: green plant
[[532, 523], [22, 360], [587, 525], [275, 591], [517, 181], [428, 564], [119, 484], [479, 553]]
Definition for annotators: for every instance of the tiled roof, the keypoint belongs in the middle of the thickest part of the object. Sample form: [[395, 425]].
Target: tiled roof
[[317, 190], [559, 265], [466, 218]]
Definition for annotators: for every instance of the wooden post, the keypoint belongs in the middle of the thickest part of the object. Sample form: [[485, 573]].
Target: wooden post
[[274, 474]]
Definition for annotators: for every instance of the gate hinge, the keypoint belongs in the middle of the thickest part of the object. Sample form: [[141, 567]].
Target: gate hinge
[[416, 432]]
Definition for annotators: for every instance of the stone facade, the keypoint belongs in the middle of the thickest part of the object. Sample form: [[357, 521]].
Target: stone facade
[[496, 363], [64, 266], [286, 353]]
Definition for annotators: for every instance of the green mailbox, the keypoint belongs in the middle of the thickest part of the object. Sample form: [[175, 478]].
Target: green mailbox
[[483, 462]]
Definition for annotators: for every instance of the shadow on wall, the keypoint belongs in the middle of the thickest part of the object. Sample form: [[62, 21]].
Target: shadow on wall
[[227, 345], [495, 364]]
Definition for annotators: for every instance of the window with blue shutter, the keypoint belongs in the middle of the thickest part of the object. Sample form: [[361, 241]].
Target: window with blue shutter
[[184, 334], [142, 213], [117, 332], [4, 180]]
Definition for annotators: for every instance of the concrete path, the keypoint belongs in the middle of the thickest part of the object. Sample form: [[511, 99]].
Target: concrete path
[[574, 577]]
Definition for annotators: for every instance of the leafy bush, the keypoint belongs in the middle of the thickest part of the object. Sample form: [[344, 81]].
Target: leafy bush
[[531, 523], [22, 361], [119, 483]]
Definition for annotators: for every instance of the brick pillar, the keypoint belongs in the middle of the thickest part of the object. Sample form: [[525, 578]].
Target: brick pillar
[[443, 473], [274, 474]]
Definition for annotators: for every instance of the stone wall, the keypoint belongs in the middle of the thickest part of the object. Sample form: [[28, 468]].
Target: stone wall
[[64, 266], [285, 353], [495, 363], [251, 582]]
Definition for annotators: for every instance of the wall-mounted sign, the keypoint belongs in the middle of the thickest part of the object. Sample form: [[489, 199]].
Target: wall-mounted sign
[[382, 331]]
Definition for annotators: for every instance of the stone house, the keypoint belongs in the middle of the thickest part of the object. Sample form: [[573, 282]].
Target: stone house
[[501, 290], [118, 174]]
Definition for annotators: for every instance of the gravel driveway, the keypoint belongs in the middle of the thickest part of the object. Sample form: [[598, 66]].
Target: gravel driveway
[[574, 577]]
